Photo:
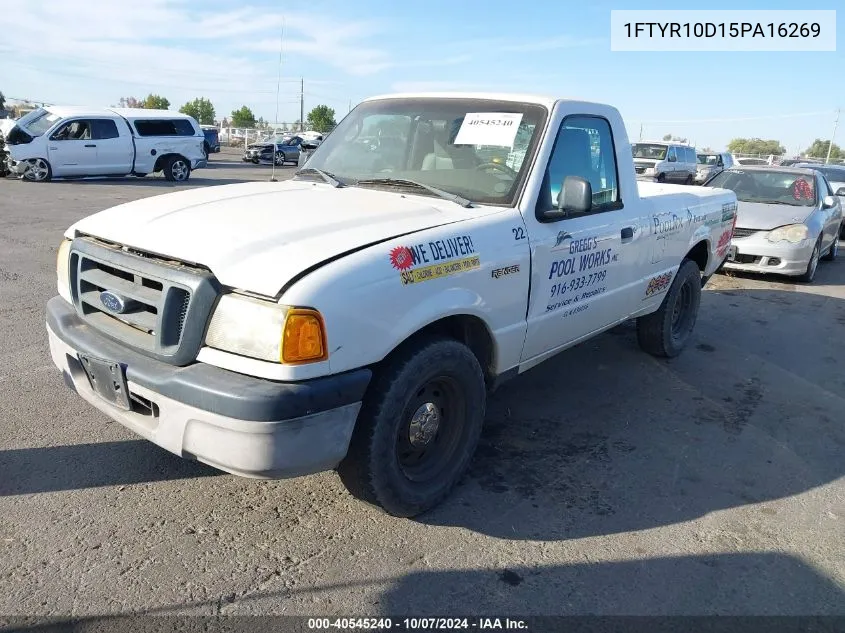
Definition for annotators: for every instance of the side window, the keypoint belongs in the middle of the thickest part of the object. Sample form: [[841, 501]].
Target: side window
[[183, 127], [104, 129], [155, 127], [691, 155], [73, 131], [670, 155], [584, 147], [825, 187]]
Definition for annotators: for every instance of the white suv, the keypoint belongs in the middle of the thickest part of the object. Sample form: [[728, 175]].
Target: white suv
[[663, 161]]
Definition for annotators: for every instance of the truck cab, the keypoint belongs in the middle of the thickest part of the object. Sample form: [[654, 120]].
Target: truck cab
[[356, 316]]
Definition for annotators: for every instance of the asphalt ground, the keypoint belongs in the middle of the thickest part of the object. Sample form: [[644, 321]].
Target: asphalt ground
[[606, 482]]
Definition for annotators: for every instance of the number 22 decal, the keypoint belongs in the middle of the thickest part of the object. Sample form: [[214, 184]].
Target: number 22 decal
[[518, 233]]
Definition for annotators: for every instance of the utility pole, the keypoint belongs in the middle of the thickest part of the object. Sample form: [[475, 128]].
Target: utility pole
[[641, 131], [832, 136], [350, 107], [301, 104]]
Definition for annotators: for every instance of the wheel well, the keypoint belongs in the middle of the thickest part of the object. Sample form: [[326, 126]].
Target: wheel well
[[163, 158], [467, 329], [700, 254]]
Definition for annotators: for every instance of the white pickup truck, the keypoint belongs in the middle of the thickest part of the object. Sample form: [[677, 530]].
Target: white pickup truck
[[356, 316], [71, 142]]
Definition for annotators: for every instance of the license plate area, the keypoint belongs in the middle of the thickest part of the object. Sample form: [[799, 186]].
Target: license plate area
[[732, 254], [107, 379]]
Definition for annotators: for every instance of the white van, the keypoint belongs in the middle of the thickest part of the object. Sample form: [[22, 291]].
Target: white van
[[62, 141], [663, 161]]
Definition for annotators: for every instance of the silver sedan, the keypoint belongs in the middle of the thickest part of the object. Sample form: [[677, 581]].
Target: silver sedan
[[786, 220]]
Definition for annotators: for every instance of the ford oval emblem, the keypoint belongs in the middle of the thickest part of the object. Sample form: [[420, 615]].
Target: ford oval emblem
[[113, 302]]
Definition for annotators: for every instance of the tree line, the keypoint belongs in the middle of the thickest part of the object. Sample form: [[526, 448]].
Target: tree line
[[321, 118], [765, 147]]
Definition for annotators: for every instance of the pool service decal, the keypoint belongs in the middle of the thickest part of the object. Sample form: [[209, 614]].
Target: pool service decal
[[435, 259]]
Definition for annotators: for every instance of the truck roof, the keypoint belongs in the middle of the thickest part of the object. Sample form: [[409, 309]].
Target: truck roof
[[129, 113], [547, 101]]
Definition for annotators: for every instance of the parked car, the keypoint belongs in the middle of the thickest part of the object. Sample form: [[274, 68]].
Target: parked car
[[787, 220], [835, 175], [59, 141], [661, 161], [752, 161], [212, 139], [282, 149], [711, 164], [356, 315]]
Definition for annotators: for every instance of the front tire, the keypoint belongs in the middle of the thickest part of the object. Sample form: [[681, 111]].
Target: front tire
[[812, 265], [833, 251], [661, 178], [418, 428], [668, 330], [280, 158], [37, 170], [177, 169], [688, 181]]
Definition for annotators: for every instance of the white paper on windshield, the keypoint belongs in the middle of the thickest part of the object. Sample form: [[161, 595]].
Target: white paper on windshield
[[489, 128]]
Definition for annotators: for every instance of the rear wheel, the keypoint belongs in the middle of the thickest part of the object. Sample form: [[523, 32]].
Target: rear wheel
[[37, 170], [280, 158], [667, 331], [418, 428], [688, 181], [177, 169], [812, 265]]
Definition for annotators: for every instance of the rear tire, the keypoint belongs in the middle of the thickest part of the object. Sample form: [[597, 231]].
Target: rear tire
[[688, 181], [418, 428], [668, 330], [177, 169]]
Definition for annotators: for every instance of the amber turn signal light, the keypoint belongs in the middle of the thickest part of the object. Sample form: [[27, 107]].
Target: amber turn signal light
[[304, 337]]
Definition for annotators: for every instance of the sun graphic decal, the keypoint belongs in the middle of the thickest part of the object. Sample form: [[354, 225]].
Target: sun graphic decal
[[400, 258]]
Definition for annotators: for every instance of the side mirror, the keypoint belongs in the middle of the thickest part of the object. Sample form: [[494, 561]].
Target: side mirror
[[840, 191], [576, 196], [829, 202]]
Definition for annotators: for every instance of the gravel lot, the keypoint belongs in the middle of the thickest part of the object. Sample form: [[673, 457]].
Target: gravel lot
[[607, 482]]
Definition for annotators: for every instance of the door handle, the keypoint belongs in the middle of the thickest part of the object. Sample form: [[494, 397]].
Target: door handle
[[628, 233], [90, 145]]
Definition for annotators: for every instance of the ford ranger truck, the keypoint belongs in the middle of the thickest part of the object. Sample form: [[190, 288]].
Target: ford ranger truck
[[356, 316]]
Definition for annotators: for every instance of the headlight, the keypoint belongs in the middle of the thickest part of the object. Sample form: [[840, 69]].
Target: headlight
[[63, 270], [649, 171], [793, 233], [267, 331]]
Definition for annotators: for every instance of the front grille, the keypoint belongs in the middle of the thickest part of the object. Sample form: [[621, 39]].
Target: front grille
[[166, 304], [640, 170], [738, 232]]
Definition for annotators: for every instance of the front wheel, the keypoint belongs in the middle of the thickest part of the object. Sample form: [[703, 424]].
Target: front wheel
[[177, 169], [37, 170], [661, 178], [280, 158], [667, 331], [812, 265], [833, 251], [418, 428]]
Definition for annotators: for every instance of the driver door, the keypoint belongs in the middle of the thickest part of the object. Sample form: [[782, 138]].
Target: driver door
[[72, 150]]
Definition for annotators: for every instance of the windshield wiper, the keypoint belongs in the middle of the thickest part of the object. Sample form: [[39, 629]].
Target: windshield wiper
[[773, 202], [452, 197], [330, 179]]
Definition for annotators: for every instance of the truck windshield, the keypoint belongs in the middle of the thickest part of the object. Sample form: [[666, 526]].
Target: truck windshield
[[708, 159], [768, 186], [646, 150], [38, 121], [478, 149]]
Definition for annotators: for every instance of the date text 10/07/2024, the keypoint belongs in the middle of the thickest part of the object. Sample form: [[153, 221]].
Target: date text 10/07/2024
[[417, 624]]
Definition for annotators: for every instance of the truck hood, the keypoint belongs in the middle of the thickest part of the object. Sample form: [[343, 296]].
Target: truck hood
[[765, 217], [258, 236]]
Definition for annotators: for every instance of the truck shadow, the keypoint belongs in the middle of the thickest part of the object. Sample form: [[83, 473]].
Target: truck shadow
[[606, 439], [56, 468], [751, 584], [657, 594]]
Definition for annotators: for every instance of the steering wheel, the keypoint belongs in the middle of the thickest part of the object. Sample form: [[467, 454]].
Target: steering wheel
[[500, 166]]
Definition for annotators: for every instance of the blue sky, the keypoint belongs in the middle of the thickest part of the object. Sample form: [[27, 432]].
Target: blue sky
[[347, 51]]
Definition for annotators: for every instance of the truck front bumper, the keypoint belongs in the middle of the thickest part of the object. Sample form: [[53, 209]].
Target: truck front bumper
[[240, 424]]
